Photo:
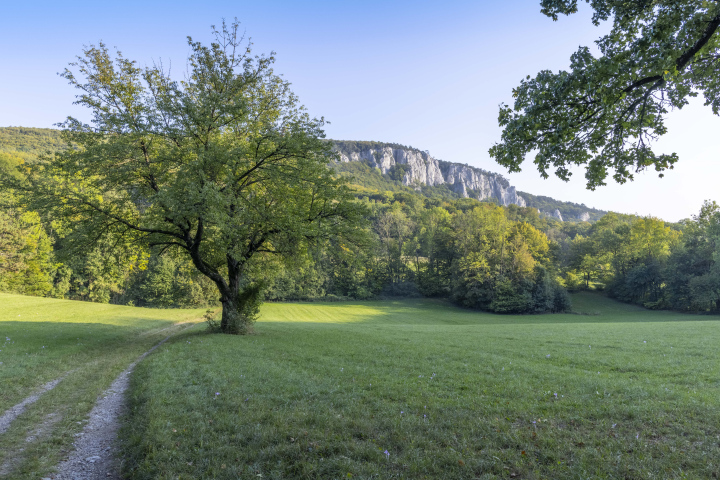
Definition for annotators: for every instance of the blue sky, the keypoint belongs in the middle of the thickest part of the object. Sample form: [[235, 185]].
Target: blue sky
[[418, 73]]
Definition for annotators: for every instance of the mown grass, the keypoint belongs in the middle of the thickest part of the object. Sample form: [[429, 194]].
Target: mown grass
[[421, 389], [89, 344]]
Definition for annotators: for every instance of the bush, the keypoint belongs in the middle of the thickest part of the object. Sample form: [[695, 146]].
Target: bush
[[401, 289], [510, 299]]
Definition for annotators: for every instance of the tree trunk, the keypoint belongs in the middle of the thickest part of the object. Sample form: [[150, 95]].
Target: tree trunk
[[233, 320], [239, 309], [230, 313]]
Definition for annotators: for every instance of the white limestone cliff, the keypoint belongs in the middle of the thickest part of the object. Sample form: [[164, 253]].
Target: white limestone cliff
[[426, 170]]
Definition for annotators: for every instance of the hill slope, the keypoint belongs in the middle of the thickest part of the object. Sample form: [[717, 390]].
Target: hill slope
[[375, 166], [30, 143], [379, 166]]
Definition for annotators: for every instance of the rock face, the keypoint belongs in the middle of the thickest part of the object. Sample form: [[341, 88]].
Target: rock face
[[422, 169]]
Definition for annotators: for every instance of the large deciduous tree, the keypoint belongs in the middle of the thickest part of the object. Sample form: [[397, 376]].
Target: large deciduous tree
[[607, 109], [220, 166]]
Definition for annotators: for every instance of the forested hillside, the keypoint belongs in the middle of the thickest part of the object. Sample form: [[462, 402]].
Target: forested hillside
[[479, 254], [422, 241], [30, 143]]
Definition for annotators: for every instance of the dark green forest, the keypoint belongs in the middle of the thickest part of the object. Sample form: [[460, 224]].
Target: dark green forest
[[414, 243]]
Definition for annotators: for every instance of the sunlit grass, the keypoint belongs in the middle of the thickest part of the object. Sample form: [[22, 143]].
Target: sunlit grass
[[324, 390]]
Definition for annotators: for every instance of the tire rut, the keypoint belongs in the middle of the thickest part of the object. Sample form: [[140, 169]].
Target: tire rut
[[95, 453], [13, 412]]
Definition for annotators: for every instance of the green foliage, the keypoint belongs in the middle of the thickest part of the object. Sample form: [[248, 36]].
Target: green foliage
[[468, 250], [29, 144], [649, 262], [9, 163], [606, 111], [398, 171], [221, 167], [570, 211], [26, 259], [693, 269], [417, 263], [243, 320], [502, 265], [99, 275], [168, 281]]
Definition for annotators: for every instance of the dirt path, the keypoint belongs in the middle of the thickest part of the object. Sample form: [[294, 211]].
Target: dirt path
[[95, 451], [12, 413]]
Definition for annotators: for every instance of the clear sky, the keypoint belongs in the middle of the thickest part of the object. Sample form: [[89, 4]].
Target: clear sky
[[422, 73]]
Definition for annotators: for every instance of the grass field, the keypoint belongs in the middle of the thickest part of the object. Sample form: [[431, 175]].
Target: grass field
[[89, 344], [421, 389]]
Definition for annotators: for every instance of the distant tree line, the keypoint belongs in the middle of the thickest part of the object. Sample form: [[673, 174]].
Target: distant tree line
[[569, 210], [478, 254], [466, 250], [649, 262], [417, 243]]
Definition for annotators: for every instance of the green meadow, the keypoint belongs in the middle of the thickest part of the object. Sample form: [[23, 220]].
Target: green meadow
[[421, 389], [393, 389]]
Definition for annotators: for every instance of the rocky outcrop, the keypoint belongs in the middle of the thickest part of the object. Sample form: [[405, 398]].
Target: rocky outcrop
[[419, 168], [424, 169]]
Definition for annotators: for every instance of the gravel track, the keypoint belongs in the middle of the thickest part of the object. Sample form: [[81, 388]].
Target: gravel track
[[95, 454]]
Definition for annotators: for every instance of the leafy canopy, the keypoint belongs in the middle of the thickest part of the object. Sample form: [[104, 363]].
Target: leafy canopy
[[606, 111], [220, 166]]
